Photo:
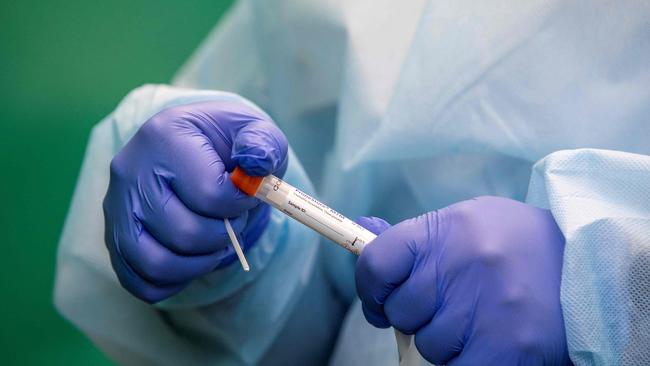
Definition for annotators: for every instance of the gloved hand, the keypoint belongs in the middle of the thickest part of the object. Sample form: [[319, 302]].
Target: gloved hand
[[170, 189], [477, 282]]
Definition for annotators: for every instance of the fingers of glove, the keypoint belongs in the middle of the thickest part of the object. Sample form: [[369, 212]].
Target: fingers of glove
[[160, 266], [206, 188], [413, 304], [375, 319], [374, 224], [260, 148], [193, 167], [383, 265], [441, 339], [474, 353], [135, 284], [184, 231]]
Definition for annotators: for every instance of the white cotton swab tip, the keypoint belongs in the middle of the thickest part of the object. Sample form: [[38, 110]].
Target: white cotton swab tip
[[236, 246]]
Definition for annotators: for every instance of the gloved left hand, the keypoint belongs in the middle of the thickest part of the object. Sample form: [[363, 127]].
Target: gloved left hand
[[478, 283], [170, 189]]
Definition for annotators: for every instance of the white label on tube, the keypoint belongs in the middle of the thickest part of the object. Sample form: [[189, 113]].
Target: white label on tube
[[318, 216], [277, 197]]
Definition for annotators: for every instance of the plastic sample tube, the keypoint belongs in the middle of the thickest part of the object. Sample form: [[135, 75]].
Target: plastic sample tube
[[305, 209], [323, 220]]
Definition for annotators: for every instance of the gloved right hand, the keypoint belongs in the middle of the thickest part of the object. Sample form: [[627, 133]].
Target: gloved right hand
[[170, 190], [477, 283]]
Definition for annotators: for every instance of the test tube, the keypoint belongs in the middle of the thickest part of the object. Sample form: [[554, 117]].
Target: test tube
[[324, 220], [304, 208]]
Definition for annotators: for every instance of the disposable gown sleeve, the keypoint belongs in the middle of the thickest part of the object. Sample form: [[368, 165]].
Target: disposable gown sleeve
[[88, 294], [601, 201]]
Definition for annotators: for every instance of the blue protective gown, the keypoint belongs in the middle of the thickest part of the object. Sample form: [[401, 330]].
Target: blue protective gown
[[393, 111]]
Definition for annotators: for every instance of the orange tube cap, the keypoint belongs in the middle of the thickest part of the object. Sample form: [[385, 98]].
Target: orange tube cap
[[245, 182]]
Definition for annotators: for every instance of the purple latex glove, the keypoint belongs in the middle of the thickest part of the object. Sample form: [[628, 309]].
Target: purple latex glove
[[170, 189], [477, 282]]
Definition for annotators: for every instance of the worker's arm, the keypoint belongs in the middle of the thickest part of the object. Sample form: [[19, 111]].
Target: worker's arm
[[482, 281], [225, 315], [600, 200]]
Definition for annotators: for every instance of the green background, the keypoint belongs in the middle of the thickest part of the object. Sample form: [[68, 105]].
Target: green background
[[63, 66]]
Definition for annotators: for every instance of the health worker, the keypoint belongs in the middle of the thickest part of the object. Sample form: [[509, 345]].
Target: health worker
[[503, 144]]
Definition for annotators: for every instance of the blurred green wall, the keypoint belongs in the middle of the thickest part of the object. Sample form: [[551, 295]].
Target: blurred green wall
[[63, 66]]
